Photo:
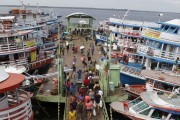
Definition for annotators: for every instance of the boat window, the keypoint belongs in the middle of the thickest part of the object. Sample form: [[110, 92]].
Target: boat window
[[165, 66], [157, 114], [174, 117], [165, 28], [140, 106], [171, 29], [136, 101], [146, 112], [162, 26], [176, 31], [2, 96], [136, 28]]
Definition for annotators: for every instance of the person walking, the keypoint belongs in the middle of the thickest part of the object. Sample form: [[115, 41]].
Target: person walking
[[97, 98], [62, 50], [79, 109], [67, 46], [72, 89], [72, 115], [74, 60], [88, 56], [79, 72], [89, 106], [92, 50]]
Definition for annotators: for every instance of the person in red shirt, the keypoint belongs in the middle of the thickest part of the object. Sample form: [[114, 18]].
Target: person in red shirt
[[86, 82]]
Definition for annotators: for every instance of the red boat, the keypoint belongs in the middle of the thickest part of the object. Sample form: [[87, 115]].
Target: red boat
[[15, 104]]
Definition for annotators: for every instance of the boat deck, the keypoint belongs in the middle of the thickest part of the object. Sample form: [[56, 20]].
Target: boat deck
[[168, 77], [161, 100]]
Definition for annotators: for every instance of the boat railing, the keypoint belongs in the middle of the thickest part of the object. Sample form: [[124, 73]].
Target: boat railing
[[132, 90], [21, 61], [17, 46], [157, 53], [19, 108], [128, 31]]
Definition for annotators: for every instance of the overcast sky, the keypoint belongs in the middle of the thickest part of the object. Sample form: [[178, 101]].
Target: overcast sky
[[149, 5]]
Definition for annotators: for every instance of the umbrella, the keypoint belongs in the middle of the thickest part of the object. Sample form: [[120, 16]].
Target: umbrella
[[67, 33], [82, 22]]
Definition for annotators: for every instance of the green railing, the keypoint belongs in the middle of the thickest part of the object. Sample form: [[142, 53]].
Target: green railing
[[105, 113]]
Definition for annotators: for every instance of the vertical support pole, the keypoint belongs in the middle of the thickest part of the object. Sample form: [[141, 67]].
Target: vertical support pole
[[111, 118]]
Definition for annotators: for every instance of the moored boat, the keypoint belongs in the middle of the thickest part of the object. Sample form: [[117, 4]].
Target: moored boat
[[14, 103], [150, 106]]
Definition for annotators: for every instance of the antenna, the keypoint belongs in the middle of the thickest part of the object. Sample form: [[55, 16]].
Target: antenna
[[126, 14]]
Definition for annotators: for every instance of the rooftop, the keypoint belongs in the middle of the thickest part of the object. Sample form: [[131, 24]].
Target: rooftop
[[79, 15], [161, 101], [11, 82], [135, 23], [168, 77], [174, 22]]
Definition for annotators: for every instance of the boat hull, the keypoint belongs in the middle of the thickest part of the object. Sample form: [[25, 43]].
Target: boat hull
[[130, 80]]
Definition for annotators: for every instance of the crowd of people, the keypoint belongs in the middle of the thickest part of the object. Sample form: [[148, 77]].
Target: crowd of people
[[85, 98]]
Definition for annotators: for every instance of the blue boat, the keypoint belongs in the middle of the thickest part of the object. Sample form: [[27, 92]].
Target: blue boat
[[131, 74]]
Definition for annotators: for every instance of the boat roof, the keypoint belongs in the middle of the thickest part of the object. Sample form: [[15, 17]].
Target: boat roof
[[174, 22], [12, 82], [169, 77], [15, 33], [135, 23], [79, 14], [161, 101], [7, 17]]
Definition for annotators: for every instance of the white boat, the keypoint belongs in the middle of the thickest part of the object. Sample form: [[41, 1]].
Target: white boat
[[15, 104], [151, 106]]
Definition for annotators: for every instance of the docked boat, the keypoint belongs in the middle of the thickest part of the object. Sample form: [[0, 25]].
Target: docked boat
[[151, 106], [19, 48], [164, 81], [161, 47], [15, 104]]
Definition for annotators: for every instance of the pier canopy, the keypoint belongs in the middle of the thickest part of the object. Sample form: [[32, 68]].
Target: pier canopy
[[79, 21]]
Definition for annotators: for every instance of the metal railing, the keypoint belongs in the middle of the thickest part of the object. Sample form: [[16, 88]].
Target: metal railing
[[157, 53], [16, 46], [21, 109], [105, 113]]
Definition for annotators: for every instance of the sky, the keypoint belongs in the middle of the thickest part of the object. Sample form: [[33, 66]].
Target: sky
[[145, 5]]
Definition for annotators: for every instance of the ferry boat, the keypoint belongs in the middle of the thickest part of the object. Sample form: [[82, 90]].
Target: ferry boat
[[164, 81], [15, 104], [151, 106], [161, 48], [19, 48], [126, 37]]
